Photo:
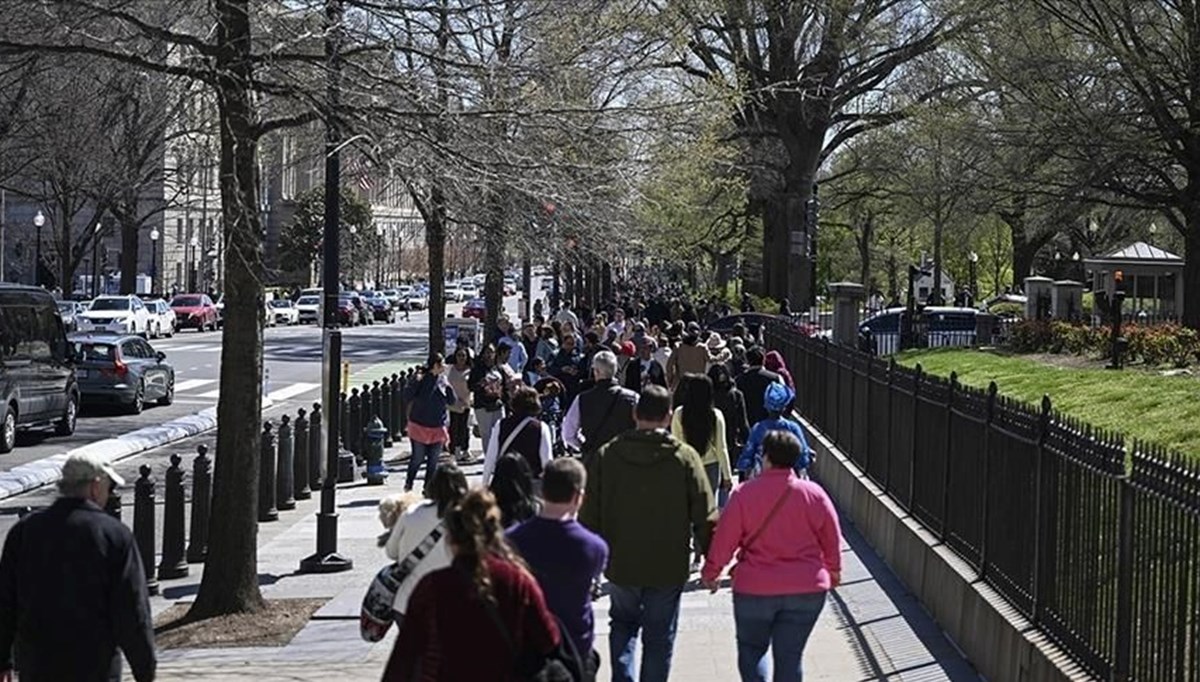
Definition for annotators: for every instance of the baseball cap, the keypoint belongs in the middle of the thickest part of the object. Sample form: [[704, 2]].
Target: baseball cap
[[81, 468]]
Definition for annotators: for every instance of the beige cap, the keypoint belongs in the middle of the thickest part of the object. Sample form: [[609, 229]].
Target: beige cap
[[82, 468]]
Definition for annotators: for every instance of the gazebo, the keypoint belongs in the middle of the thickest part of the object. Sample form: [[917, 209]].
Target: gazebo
[[1153, 279]]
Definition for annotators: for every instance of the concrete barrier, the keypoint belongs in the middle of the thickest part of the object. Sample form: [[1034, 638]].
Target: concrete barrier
[[1001, 643]]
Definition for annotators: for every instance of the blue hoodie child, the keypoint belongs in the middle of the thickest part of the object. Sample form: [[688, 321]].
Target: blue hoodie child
[[776, 399]]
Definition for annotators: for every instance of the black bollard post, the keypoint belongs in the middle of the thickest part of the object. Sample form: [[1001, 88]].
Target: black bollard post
[[284, 485], [201, 504], [376, 402], [316, 448], [113, 506], [397, 407], [344, 419], [354, 423], [300, 490], [173, 564], [364, 418], [143, 524], [385, 411], [266, 477]]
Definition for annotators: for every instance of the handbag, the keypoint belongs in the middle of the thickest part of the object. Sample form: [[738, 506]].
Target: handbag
[[561, 664], [376, 615], [762, 526]]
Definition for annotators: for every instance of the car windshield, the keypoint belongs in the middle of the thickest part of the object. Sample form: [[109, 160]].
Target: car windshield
[[281, 303], [95, 352], [308, 300], [185, 302], [66, 307], [110, 304]]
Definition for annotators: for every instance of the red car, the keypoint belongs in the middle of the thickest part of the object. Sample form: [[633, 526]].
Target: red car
[[475, 308], [347, 312], [196, 311]]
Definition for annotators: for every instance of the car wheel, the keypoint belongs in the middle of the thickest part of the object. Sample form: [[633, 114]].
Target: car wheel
[[169, 397], [66, 426], [139, 399], [8, 430]]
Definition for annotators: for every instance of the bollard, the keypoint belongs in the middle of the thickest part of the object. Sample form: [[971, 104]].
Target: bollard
[[354, 423], [266, 477], [376, 402], [285, 498], [344, 422], [385, 411], [316, 448], [300, 490], [373, 452], [113, 506], [364, 418], [143, 524], [173, 564], [397, 405], [201, 504]]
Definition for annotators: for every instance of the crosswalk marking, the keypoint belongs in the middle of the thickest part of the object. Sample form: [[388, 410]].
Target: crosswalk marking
[[192, 383], [211, 394], [292, 390]]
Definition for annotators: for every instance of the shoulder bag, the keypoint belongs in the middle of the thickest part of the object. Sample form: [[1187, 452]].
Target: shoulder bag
[[377, 615], [787, 488]]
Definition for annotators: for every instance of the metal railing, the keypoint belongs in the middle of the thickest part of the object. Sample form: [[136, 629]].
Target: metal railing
[[1095, 542]]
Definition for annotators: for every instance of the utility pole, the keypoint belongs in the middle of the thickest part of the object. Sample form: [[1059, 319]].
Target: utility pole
[[327, 559]]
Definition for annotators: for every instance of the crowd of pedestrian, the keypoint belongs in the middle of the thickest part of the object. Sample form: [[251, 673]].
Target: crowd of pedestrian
[[624, 447]]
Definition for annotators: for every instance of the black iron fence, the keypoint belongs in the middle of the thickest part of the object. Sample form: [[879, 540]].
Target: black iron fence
[[1096, 542]]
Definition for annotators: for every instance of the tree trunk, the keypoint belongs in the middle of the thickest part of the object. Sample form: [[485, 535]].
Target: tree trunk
[[1191, 259], [864, 242], [230, 582], [493, 258], [129, 251], [435, 242]]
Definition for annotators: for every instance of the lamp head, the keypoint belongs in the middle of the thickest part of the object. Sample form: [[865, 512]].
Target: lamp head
[[39, 219], [154, 235]]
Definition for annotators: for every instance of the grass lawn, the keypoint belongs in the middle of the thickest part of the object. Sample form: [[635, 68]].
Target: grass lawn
[[1137, 403]]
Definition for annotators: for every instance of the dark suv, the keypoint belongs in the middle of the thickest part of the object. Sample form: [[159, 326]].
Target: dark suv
[[37, 372]]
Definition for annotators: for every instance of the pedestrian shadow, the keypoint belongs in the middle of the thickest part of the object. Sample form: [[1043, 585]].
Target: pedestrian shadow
[[353, 504]]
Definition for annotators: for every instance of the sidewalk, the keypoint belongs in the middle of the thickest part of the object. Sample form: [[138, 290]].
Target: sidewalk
[[871, 630]]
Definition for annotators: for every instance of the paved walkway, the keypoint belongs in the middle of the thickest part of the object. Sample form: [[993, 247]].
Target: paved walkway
[[871, 630]]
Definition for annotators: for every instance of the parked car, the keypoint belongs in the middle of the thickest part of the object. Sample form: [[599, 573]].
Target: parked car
[[116, 314], [285, 312], [347, 312], [308, 309], [195, 311], [417, 299], [381, 308], [476, 308], [934, 327], [122, 369], [68, 311], [163, 319], [467, 291], [393, 297], [220, 311], [453, 294], [37, 375]]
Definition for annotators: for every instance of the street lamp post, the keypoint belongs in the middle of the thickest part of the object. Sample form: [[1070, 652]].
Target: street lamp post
[[973, 262], [154, 235], [39, 220], [379, 254], [353, 232], [95, 269]]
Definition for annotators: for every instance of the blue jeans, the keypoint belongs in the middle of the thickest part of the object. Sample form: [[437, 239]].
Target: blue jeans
[[422, 453], [654, 611], [782, 622]]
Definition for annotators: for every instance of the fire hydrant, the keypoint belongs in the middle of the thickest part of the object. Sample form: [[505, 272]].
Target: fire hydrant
[[375, 432]]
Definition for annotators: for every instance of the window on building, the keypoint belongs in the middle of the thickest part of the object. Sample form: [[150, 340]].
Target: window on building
[[179, 229]]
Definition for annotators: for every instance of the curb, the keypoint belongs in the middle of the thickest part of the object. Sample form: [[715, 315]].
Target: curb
[[26, 477]]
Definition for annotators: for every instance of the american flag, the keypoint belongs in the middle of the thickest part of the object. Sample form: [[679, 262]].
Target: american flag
[[361, 172]]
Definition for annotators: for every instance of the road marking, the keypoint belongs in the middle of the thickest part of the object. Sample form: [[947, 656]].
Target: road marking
[[211, 394], [209, 349], [184, 348], [193, 383], [292, 391]]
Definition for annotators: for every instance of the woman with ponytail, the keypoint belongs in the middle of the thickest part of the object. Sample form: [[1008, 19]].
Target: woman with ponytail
[[464, 621]]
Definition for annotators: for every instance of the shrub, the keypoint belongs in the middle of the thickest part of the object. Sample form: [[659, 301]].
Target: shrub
[[1153, 345]]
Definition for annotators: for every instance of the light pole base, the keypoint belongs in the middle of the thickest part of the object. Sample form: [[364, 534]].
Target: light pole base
[[326, 559]]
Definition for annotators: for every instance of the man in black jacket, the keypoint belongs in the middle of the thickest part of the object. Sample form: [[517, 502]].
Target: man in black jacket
[[644, 370], [72, 587], [600, 413], [753, 384]]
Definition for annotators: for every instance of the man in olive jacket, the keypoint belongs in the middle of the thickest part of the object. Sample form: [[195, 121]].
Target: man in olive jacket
[[648, 496]]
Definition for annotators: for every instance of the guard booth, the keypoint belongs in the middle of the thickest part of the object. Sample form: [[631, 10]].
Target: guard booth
[[462, 328]]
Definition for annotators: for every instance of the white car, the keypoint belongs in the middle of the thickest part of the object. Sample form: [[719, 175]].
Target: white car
[[285, 311], [162, 319], [417, 300], [469, 290], [453, 294], [117, 314], [308, 309]]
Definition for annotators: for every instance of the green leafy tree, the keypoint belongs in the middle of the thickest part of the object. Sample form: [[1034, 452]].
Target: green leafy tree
[[301, 240]]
